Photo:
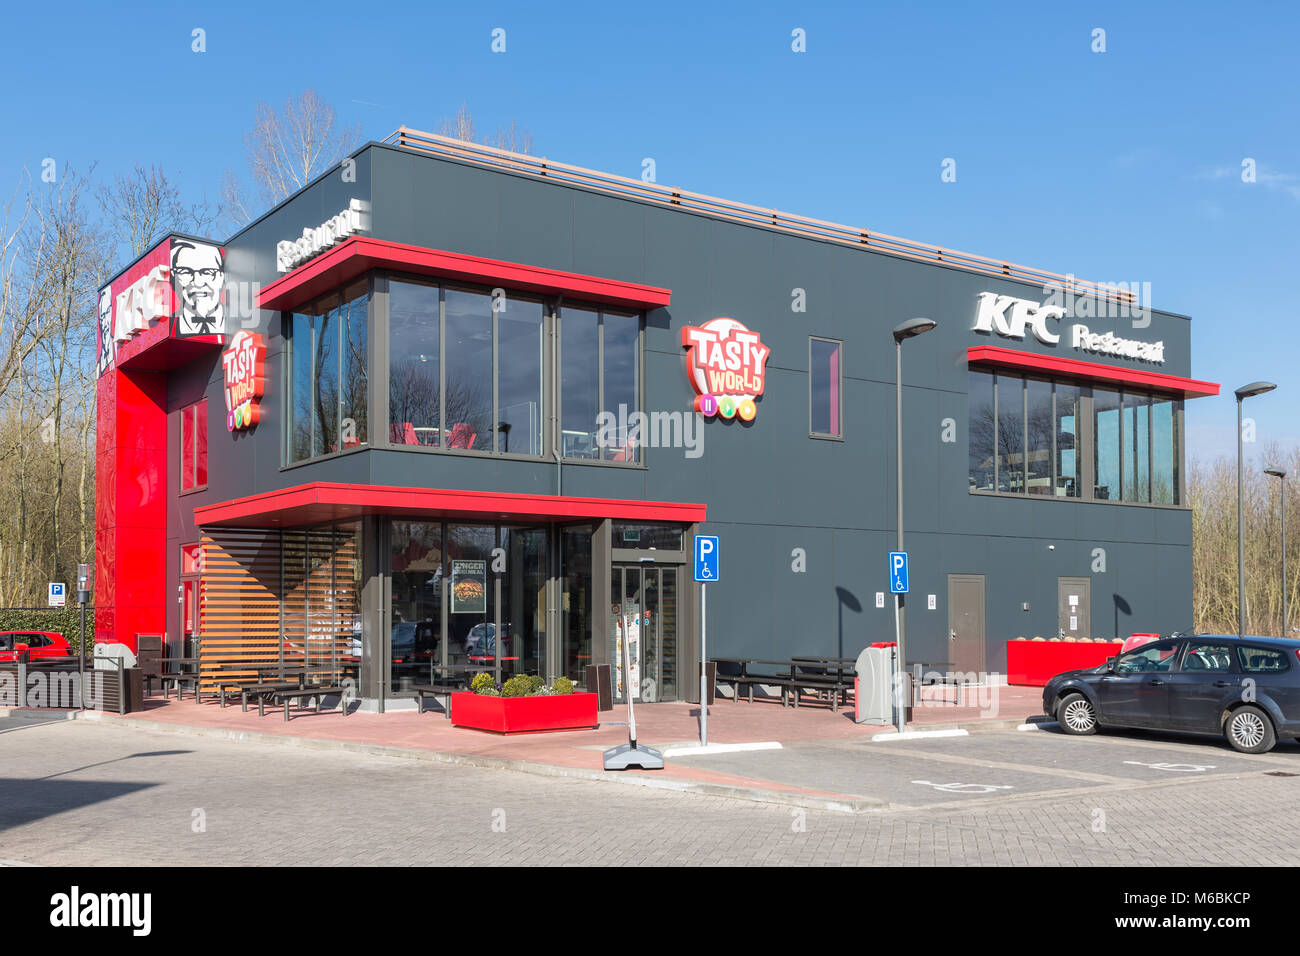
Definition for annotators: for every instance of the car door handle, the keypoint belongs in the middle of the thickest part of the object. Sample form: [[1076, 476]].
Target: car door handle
[[1155, 682], [1222, 683]]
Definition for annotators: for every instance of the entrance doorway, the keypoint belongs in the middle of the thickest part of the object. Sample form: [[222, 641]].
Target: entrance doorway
[[649, 606], [1074, 607], [966, 623]]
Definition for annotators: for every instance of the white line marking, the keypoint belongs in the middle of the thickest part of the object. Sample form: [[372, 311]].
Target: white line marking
[[918, 735], [720, 748]]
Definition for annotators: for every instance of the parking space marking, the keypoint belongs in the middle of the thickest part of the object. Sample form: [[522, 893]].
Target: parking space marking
[[964, 787], [1174, 767]]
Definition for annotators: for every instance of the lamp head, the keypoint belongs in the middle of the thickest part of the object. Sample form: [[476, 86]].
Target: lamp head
[[1275, 472], [1253, 389], [912, 327]]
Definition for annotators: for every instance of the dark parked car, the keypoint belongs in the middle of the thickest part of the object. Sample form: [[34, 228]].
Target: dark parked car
[[1245, 688]]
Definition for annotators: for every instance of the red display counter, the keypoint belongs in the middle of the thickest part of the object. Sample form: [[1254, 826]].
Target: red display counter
[[1034, 663]]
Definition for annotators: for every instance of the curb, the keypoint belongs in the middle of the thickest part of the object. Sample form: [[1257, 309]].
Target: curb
[[639, 779]]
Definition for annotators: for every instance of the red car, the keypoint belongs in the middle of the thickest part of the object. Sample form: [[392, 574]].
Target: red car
[[40, 644]]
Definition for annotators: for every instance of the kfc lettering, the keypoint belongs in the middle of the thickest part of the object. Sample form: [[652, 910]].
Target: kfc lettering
[[244, 367], [727, 363], [145, 300]]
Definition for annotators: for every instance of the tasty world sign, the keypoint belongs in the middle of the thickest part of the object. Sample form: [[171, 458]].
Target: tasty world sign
[[727, 364], [244, 365]]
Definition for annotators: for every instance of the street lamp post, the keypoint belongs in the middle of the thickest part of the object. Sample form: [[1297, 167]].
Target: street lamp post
[[1280, 473], [1243, 393], [906, 330]]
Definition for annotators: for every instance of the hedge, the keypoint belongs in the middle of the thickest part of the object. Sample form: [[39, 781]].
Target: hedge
[[62, 620]]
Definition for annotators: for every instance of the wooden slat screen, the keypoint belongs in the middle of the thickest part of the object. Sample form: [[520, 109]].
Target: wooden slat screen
[[239, 603], [321, 573]]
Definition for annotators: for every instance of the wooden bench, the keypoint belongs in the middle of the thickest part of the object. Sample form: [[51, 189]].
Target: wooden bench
[[823, 678], [295, 693], [192, 680]]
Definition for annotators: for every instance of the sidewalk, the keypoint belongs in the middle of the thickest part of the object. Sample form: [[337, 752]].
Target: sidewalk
[[579, 753]]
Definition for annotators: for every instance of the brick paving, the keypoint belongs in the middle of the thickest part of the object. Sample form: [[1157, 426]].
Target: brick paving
[[77, 793]]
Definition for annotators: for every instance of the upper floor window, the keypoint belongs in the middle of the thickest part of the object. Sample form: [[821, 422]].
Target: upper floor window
[[600, 359], [1048, 437], [194, 446], [825, 377], [465, 368], [328, 386]]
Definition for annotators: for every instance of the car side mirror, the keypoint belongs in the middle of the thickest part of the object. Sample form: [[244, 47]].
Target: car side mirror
[[1110, 664]]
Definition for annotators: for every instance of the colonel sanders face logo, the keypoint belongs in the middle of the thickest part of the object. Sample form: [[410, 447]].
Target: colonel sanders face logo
[[107, 347], [199, 276]]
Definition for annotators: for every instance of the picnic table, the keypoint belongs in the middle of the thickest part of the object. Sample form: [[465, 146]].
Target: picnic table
[[793, 676], [447, 679], [177, 677]]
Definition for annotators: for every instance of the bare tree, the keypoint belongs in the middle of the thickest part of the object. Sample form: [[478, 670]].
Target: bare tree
[[142, 204], [287, 149], [514, 138]]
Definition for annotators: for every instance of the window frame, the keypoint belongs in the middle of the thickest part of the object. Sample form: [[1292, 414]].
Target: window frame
[[839, 389], [1086, 439], [332, 300], [191, 411]]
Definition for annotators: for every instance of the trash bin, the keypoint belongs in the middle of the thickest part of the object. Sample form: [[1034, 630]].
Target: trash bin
[[873, 693]]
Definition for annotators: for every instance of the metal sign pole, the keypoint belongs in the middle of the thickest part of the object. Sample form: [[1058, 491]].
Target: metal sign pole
[[704, 676], [627, 674]]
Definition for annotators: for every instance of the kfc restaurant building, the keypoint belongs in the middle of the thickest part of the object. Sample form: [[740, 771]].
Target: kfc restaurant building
[[449, 404]]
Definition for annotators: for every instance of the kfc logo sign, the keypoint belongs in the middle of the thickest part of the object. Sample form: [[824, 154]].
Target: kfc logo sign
[[244, 367], [728, 367], [1024, 313]]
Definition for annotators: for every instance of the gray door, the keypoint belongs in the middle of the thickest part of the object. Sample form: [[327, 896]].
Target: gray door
[[1074, 607], [966, 622], [649, 609]]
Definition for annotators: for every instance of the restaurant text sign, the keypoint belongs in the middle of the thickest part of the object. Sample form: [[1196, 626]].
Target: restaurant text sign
[[728, 367], [244, 367]]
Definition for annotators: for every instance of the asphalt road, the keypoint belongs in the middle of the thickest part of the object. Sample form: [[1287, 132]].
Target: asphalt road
[[81, 793]]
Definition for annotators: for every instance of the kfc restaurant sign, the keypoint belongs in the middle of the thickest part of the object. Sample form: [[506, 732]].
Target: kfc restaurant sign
[[174, 291], [1012, 318], [244, 367], [290, 253], [727, 364]]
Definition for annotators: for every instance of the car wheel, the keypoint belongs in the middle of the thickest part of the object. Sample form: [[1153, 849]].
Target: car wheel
[[1250, 731], [1076, 715]]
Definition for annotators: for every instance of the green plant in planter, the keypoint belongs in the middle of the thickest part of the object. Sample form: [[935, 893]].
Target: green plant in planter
[[562, 685], [484, 684], [521, 685]]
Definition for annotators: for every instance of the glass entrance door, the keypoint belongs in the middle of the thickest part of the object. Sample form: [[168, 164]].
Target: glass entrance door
[[646, 617]]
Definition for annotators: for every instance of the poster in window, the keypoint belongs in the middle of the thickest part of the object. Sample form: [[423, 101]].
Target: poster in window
[[468, 587]]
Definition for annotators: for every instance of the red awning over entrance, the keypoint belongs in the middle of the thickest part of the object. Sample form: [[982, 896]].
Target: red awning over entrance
[[320, 502], [1092, 371]]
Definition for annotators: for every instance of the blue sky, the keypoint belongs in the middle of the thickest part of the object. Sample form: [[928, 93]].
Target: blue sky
[[1115, 166]]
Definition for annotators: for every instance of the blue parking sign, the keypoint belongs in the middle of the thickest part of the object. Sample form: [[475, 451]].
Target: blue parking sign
[[897, 572], [706, 558]]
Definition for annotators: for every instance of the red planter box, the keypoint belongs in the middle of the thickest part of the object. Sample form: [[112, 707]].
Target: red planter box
[[524, 715], [1034, 663]]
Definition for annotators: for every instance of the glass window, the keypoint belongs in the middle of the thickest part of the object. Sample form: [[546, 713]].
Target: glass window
[[354, 385], [579, 381], [575, 601], [471, 618], [1137, 447], [523, 601], [1148, 659], [1068, 475], [662, 537], [300, 386], [325, 368], [1105, 455], [414, 348], [417, 576], [622, 333], [982, 430], [1040, 426], [1011, 433], [194, 445], [469, 370], [1215, 658], [1164, 452], [187, 449], [521, 349], [825, 379], [1262, 660]]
